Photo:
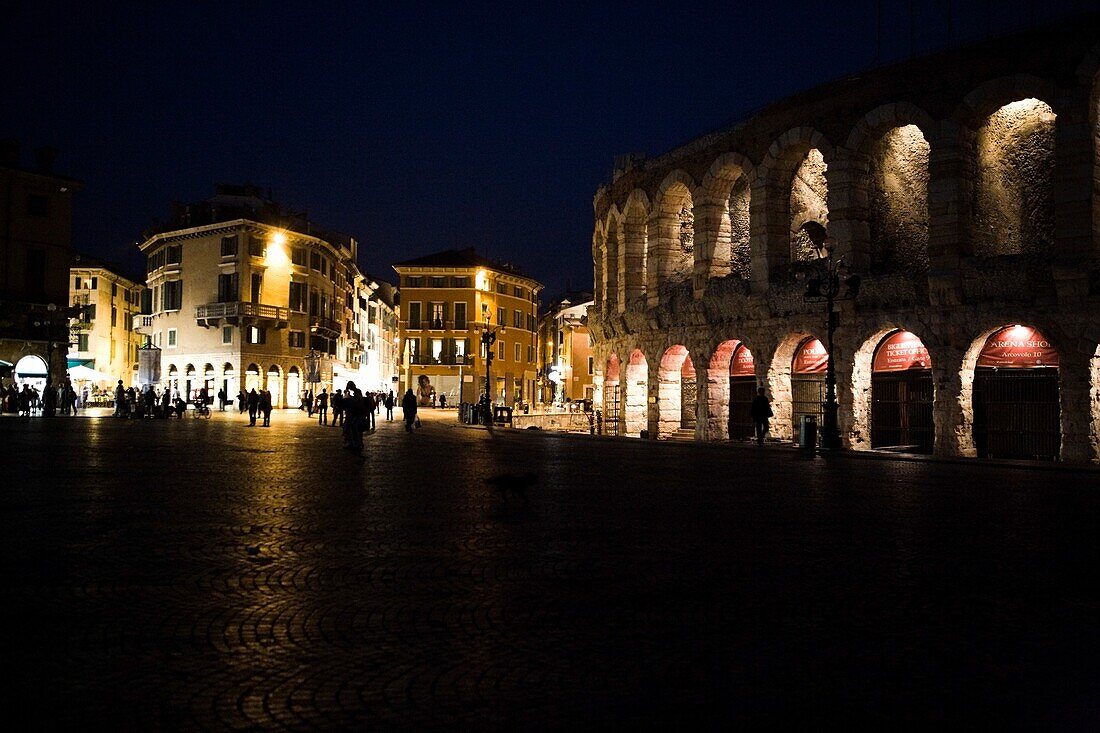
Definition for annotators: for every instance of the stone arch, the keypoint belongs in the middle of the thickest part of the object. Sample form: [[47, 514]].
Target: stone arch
[[275, 384], [890, 152], [636, 395], [677, 392], [634, 228], [294, 387], [1008, 135], [861, 431], [613, 402], [779, 383], [968, 428], [599, 266], [252, 377], [730, 388], [783, 179], [671, 232], [722, 221]]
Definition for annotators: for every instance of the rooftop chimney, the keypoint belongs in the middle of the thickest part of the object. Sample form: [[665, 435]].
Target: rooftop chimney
[[45, 157], [9, 152]]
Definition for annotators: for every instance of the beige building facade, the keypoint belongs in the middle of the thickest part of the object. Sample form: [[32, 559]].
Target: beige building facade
[[103, 335], [449, 300], [567, 362], [247, 297]]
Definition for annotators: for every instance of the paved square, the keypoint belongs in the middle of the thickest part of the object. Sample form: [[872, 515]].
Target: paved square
[[203, 574]]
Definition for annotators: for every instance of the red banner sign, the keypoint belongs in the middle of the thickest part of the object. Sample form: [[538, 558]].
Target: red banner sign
[[811, 358], [901, 351], [1018, 347], [742, 364]]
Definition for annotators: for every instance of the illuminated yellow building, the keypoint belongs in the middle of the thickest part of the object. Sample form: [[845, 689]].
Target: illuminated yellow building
[[566, 357], [448, 299], [241, 291], [104, 338]]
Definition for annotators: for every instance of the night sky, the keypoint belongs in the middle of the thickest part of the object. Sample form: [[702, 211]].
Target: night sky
[[420, 127]]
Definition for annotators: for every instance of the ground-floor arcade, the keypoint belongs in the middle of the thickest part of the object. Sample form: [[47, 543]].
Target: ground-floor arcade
[[1013, 385]]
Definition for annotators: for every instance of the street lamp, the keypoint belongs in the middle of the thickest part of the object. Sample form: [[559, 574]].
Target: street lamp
[[834, 284], [488, 338]]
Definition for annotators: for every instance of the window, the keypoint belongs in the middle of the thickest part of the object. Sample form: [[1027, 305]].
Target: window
[[38, 205], [460, 315], [500, 350], [255, 246], [502, 288], [298, 297], [530, 353], [314, 302], [171, 295], [257, 286], [414, 282], [228, 287], [174, 257], [229, 246], [414, 315], [257, 335], [501, 316], [437, 349], [324, 265], [517, 291], [531, 322], [89, 312], [460, 282], [114, 289], [414, 349], [82, 342], [171, 337], [438, 315], [114, 316], [156, 259], [227, 334], [315, 261], [439, 281], [591, 366], [297, 339], [519, 352], [95, 283], [76, 283], [462, 347], [299, 256], [517, 319]]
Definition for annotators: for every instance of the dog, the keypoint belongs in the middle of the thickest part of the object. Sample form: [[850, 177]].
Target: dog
[[510, 484]]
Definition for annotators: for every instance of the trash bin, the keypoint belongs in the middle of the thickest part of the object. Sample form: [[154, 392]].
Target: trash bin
[[807, 433]]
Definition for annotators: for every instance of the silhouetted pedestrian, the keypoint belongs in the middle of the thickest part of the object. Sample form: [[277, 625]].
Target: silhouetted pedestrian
[[408, 408], [760, 411], [253, 403]]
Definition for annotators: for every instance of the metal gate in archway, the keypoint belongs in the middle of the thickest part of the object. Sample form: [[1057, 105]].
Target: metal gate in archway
[[901, 410], [612, 409], [1016, 413], [742, 390], [807, 398], [689, 400]]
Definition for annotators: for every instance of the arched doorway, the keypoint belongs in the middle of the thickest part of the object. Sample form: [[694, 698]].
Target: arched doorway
[[275, 385], [677, 396], [808, 382], [173, 378], [742, 371], [635, 410], [293, 387], [208, 381], [189, 384], [612, 396], [902, 394], [1015, 398], [252, 378], [31, 370], [229, 382]]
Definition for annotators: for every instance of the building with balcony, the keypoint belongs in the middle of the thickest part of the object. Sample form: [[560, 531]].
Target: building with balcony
[[377, 333], [240, 291], [448, 301], [567, 364], [35, 254], [103, 335]]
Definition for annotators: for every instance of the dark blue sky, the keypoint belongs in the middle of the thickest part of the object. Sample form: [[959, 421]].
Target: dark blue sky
[[414, 127]]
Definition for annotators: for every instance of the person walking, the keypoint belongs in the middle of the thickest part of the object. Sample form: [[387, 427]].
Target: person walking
[[371, 403], [337, 408], [309, 403], [253, 403], [442, 402], [242, 401], [120, 398], [408, 408], [221, 400], [355, 409], [760, 411], [265, 407], [322, 407], [389, 406]]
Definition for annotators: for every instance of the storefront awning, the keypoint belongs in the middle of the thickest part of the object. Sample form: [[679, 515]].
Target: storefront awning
[[90, 363]]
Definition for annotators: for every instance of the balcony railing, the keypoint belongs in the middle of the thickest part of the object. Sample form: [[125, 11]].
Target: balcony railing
[[239, 309], [442, 359], [325, 326]]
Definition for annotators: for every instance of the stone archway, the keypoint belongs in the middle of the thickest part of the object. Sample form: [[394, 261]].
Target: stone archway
[[677, 394], [636, 395], [274, 385], [613, 401], [893, 394], [791, 397], [672, 234]]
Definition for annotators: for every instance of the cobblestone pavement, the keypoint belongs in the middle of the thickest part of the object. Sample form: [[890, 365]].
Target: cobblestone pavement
[[203, 574]]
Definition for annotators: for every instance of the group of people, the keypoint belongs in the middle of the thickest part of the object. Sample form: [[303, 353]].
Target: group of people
[[29, 400], [257, 403]]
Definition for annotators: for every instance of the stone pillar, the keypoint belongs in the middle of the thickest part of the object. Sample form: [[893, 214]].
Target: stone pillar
[[714, 398], [668, 401], [1075, 375], [653, 416], [709, 262], [611, 271], [598, 273], [655, 259], [848, 208], [953, 407], [760, 233], [1072, 199]]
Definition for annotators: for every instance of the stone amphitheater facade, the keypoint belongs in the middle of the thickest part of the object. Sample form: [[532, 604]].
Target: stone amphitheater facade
[[964, 189]]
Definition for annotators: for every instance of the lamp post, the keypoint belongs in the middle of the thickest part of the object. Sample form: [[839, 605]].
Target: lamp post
[[488, 338], [833, 285]]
